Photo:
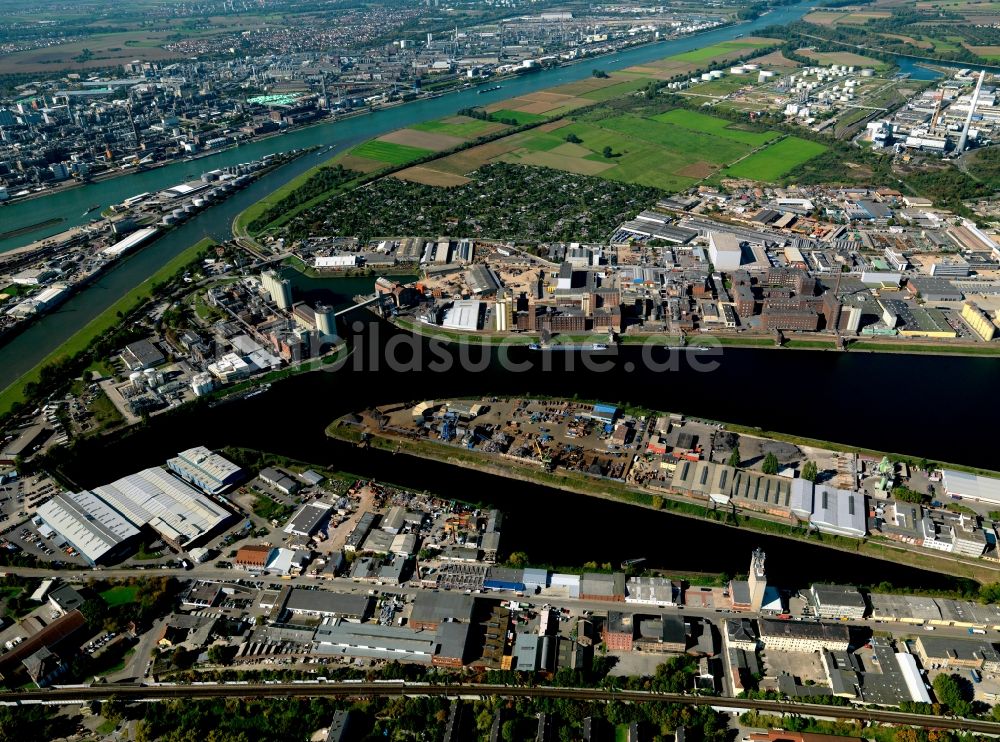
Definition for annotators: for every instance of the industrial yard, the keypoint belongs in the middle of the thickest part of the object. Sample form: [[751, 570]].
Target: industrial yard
[[706, 469]]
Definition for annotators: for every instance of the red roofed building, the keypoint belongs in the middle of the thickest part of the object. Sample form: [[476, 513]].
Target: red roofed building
[[254, 557]]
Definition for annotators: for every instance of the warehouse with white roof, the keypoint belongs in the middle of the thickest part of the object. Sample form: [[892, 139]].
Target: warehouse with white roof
[[175, 510], [100, 533], [971, 486], [129, 243], [211, 473], [464, 314], [839, 511]]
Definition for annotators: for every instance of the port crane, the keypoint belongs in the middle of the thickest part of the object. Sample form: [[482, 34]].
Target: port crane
[[543, 456]]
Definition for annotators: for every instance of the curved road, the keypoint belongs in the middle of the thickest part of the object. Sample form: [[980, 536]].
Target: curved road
[[67, 696]]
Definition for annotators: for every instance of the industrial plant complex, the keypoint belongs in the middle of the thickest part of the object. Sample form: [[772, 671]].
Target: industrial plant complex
[[104, 524]]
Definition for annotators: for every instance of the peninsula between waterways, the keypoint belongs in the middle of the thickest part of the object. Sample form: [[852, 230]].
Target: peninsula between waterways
[[828, 396], [367, 435]]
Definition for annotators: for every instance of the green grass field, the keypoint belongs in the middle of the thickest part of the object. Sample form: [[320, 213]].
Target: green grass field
[[389, 153], [717, 50], [15, 289], [699, 145], [544, 141], [773, 162], [253, 211], [468, 129], [616, 91], [103, 322], [671, 151], [635, 161], [700, 122], [723, 86], [120, 595], [506, 114]]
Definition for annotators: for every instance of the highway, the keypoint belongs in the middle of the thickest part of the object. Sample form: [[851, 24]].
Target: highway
[[72, 695]]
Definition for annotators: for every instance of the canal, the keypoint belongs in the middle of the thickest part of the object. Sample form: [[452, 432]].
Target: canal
[[826, 395]]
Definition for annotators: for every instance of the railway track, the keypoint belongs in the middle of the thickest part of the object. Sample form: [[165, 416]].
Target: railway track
[[69, 695]]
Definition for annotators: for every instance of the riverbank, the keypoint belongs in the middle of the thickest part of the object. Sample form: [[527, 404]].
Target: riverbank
[[755, 342], [32, 346], [609, 489], [460, 86], [108, 319]]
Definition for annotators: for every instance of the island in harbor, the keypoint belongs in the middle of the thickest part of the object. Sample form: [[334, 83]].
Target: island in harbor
[[933, 515]]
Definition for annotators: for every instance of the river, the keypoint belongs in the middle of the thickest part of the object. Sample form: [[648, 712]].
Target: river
[[25, 351], [822, 394], [70, 204]]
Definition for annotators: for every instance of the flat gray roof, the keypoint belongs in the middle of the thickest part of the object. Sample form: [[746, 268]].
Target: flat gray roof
[[435, 607], [308, 518], [324, 601]]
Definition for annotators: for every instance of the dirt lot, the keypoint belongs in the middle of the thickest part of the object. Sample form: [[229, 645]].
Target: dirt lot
[[587, 86], [636, 663], [540, 103], [824, 17], [553, 125], [519, 280], [848, 58], [802, 665], [926, 44], [360, 164], [539, 107], [423, 139], [985, 51], [432, 177], [559, 162], [776, 59], [339, 534], [468, 160], [697, 170]]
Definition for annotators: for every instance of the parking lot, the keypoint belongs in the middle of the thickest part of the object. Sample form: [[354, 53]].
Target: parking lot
[[19, 499]]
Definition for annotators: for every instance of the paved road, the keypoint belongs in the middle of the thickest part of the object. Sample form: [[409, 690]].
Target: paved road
[[68, 696], [346, 585], [135, 667]]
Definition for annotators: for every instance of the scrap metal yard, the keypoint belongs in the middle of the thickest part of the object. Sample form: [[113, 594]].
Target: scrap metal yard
[[798, 488]]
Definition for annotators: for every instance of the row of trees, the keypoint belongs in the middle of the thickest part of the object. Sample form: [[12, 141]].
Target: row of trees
[[503, 201], [323, 180], [56, 376], [236, 720]]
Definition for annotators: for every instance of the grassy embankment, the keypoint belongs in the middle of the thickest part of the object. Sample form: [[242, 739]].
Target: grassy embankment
[[800, 440], [584, 484], [106, 320], [439, 333], [241, 224], [888, 346]]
